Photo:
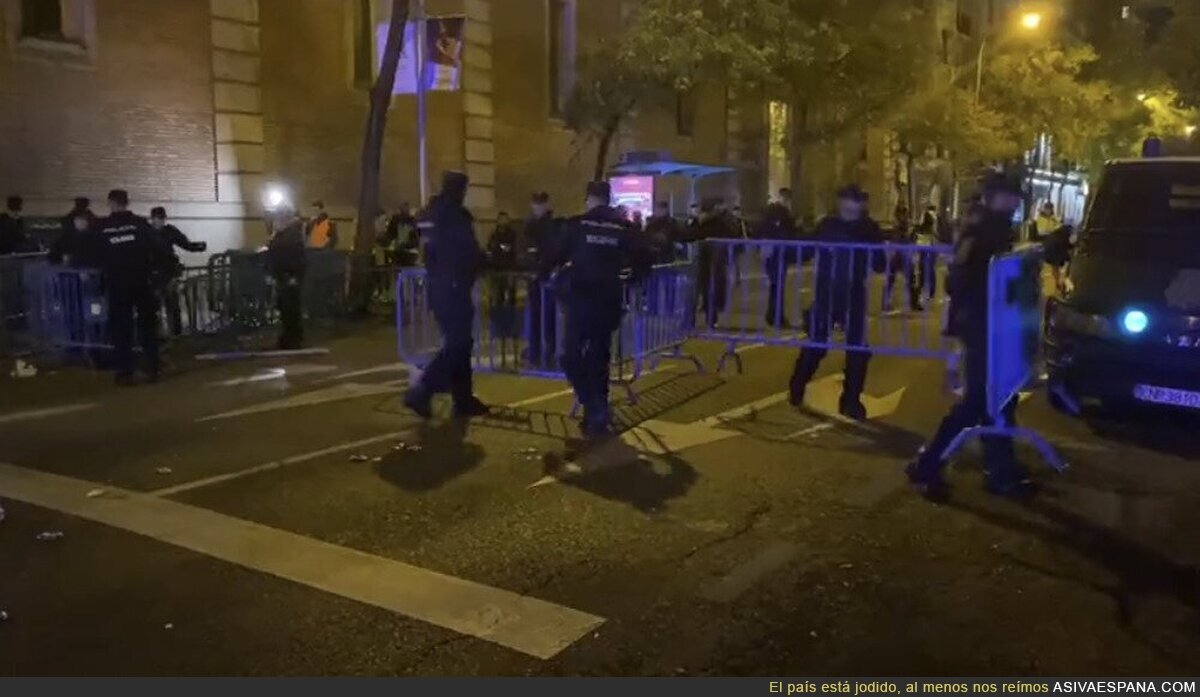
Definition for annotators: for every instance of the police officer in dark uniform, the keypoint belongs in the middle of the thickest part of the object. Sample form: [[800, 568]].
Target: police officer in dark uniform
[[598, 246], [778, 223], [287, 262], [453, 260], [841, 298], [540, 244], [712, 278], [987, 237], [127, 253], [171, 237]]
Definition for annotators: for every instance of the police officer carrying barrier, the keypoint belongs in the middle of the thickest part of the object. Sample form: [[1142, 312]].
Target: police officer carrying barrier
[[841, 298], [453, 260], [981, 241], [598, 247], [127, 252]]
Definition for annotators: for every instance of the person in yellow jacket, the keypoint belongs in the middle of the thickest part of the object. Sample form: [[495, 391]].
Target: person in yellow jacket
[[321, 232]]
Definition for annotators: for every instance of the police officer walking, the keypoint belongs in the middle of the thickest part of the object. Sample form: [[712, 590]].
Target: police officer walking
[[453, 260], [598, 246], [128, 254], [841, 298], [981, 241]]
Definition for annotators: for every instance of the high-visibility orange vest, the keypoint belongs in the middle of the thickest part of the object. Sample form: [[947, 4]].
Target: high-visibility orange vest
[[319, 237]]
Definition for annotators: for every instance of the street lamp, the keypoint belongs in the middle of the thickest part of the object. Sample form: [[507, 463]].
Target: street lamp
[[1190, 131], [1030, 21]]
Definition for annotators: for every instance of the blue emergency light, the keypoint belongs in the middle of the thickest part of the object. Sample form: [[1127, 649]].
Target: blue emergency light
[[1135, 321]]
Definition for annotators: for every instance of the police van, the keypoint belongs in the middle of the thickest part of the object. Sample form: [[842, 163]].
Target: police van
[[1127, 329]]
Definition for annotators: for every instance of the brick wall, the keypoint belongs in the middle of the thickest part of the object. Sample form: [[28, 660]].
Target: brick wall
[[139, 116]]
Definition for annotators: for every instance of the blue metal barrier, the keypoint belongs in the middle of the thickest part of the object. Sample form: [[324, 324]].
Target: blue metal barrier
[[1013, 343], [519, 321], [65, 308], [832, 296]]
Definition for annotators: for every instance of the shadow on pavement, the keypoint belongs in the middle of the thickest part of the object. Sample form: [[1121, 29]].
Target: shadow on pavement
[[1141, 573], [614, 470], [439, 454], [1159, 430]]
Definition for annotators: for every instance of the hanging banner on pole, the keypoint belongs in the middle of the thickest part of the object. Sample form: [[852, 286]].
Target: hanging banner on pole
[[443, 54]]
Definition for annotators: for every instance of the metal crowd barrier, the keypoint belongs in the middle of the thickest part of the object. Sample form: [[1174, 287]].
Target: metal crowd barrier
[[519, 323], [65, 309], [888, 298]]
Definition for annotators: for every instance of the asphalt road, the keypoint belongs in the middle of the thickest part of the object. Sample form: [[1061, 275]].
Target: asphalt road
[[260, 518]]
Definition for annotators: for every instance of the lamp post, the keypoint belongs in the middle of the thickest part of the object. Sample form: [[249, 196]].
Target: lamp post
[[1030, 21], [422, 108]]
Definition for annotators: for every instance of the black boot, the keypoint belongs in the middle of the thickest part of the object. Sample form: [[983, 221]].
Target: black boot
[[470, 408], [806, 367], [851, 407], [926, 480], [419, 402]]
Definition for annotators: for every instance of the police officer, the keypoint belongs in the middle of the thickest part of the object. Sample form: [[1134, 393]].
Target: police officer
[[989, 236], [841, 298], [171, 237], [128, 253], [453, 259], [541, 242], [287, 262], [778, 223], [598, 246], [712, 278]]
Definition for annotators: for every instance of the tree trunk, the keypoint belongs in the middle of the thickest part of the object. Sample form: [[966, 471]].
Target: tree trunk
[[603, 146], [372, 153]]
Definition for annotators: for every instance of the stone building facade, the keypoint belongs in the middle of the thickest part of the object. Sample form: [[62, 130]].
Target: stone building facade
[[198, 105]]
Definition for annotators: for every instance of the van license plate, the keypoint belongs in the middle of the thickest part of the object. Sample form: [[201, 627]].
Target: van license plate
[[1166, 395]]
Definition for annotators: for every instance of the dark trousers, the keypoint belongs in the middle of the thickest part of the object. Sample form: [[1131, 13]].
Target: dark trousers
[[543, 323], [776, 290], [123, 302], [173, 307], [587, 347], [822, 317], [904, 263], [450, 370], [927, 274], [972, 411], [714, 291], [291, 314]]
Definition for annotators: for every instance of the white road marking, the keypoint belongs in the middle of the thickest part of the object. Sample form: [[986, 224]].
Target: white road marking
[[386, 368], [741, 579], [810, 431], [33, 414], [337, 393], [530, 626], [277, 464]]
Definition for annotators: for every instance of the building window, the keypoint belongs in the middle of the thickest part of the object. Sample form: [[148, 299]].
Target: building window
[[685, 112], [55, 30], [561, 37], [42, 19]]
